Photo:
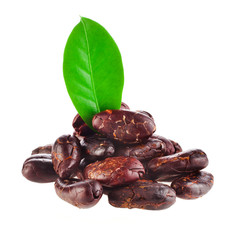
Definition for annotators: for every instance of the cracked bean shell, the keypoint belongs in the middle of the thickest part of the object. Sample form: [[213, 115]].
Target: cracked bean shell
[[82, 194], [143, 194], [115, 171], [82, 129], [124, 126], [167, 167], [39, 168], [154, 146], [193, 185], [66, 155]]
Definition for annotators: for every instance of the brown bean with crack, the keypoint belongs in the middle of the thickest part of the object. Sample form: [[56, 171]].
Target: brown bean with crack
[[82, 129], [162, 168], [124, 126], [82, 194], [155, 146], [66, 155], [194, 185], [97, 146], [115, 171], [39, 168], [143, 194]]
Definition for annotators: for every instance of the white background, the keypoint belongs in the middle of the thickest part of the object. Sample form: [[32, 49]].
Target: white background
[[181, 61]]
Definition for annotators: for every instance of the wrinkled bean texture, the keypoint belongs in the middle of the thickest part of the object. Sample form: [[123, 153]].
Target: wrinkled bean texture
[[66, 155], [39, 168], [194, 185], [155, 146], [176, 146], [97, 146], [124, 126], [82, 129], [43, 149], [115, 171], [82, 194], [144, 195], [162, 168]]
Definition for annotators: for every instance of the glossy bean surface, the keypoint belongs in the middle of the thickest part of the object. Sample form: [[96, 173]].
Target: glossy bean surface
[[82, 129], [39, 168], [154, 146], [193, 185], [97, 146], [47, 149], [66, 155], [124, 126], [144, 195], [162, 168], [176, 146], [115, 171], [82, 194]]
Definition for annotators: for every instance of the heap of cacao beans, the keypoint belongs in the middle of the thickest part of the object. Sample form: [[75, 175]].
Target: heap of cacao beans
[[124, 159]]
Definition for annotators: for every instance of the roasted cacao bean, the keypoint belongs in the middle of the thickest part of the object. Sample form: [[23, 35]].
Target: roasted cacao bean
[[47, 149], [115, 171], [194, 185], [124, 126], [80, 127], [167, 167], [39, 168], [66, 156], [167, 147], [177, 147], [143, 194], [82, 194], [124, 106], [97, 146], [155, 146]]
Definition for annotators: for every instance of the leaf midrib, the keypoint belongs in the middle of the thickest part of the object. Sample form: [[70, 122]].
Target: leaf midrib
[[90, 67]]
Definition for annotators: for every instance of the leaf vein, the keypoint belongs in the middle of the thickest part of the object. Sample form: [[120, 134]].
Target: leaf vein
[[90, 66]]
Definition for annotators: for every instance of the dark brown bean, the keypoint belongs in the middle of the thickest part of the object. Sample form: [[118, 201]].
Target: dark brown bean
[[177, 147], [115, 171], [163, 168], [80, 127], [151, 148], [82, 194], [194, 185], [124, 106], [144, 195], [97, 146], [145, 113], [66, 155], [168, 147], [43, 149], [124, 126], [155, 146], [39, 168]]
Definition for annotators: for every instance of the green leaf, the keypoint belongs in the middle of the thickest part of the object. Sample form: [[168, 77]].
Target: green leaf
[[93, 70]]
